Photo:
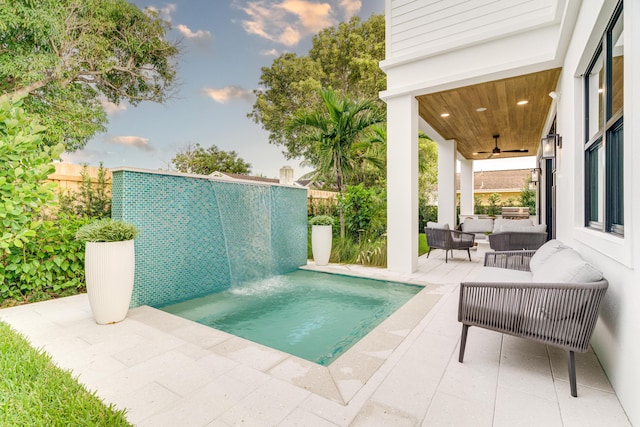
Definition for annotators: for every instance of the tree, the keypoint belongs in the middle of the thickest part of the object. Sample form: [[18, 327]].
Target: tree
[[528, 197], [24, 164], [344, 57], [69, 55], [195, 159], [332, 134], [427, 166]]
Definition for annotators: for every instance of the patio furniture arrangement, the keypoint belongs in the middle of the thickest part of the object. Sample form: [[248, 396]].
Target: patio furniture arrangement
[[482, 226], [448, 240], [552, 296], [516, 240]]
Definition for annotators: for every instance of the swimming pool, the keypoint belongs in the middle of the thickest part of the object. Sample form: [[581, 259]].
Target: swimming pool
[[312, 315]]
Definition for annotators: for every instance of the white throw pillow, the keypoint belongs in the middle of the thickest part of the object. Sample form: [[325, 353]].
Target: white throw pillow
[[442, 225], [566, 266], [544, 252]]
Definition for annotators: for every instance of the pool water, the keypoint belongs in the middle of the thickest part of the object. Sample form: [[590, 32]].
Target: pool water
[[312, 315]]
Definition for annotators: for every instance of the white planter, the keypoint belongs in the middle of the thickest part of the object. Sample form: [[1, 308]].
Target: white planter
[[109, 271], [321, 243]]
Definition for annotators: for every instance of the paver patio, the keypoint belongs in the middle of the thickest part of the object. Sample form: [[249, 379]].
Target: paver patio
[[168, 371]]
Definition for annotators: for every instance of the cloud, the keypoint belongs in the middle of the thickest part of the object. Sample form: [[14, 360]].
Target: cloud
[[223, 95], [134, 141], [270, 52], [287, 21], [165, 12], [112, 109], [313, 16], [350, 7], [200, 36]]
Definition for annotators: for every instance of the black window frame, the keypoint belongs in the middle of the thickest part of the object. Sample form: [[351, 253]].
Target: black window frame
[[608, 138]]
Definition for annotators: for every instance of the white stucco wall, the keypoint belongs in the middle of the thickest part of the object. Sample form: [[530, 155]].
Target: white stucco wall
[[402, 184], [615, 340]]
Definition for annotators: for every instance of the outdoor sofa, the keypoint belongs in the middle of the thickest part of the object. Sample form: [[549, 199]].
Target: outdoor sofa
[[551, 296]]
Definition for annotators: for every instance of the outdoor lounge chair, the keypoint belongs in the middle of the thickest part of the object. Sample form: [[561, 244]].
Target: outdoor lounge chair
[[508, 297], [448, 240], [516, 240]]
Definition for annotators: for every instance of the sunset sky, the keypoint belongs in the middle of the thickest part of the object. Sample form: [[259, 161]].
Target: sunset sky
[[225, 43]]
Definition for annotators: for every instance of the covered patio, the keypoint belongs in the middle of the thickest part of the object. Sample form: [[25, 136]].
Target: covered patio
[[169, 371]]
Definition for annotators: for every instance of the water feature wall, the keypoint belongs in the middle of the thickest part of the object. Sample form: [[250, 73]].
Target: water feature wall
[[199, 235]]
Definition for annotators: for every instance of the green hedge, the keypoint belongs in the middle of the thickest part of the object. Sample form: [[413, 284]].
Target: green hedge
[[50, 264]]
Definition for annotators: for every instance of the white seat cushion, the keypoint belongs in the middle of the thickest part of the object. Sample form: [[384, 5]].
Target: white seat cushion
[[501, 222], [525, 229], [442, 225], [477, 225], [566, 266]]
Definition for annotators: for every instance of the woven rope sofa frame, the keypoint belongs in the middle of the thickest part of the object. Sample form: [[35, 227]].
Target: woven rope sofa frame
[[516, 240], [563, 315], [448, 240]]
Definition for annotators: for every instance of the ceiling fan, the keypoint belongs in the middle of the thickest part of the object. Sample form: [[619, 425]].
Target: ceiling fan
[[496, 150]]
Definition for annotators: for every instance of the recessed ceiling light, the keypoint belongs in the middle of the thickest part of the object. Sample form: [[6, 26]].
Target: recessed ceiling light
[[523, 102], [444, 115], [481, 109]]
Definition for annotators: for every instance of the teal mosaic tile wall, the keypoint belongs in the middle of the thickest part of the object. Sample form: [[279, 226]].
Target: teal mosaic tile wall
[[286, 234], [199, 236]]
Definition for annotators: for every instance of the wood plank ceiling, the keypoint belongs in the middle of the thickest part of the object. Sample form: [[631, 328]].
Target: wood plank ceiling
[[520, 126]]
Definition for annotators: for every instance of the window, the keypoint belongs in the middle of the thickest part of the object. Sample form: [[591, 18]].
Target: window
[[604, 145]]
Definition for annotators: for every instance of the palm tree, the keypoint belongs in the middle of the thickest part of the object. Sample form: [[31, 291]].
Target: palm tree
[[333, 133]]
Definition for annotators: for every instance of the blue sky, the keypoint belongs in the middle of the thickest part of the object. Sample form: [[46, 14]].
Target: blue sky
[[225, 43]]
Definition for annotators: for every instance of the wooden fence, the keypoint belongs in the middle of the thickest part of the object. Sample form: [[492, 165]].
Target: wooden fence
[[68, 176], [320, 202]]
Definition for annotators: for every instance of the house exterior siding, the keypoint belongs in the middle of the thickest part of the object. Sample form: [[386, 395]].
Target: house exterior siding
[[436, 46], [427, 26]]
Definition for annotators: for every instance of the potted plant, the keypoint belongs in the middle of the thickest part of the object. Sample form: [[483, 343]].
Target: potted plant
[[109, 265], [321, 235]]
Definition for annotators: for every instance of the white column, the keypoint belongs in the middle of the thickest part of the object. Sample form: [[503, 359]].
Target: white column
[[447, 182], [402, 184], [466, 187]]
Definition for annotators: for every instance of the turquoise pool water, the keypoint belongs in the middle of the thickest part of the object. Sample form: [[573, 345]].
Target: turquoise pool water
[[312, 315]]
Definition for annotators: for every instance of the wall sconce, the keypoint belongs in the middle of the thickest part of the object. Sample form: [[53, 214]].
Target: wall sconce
[[535, 175], [549, 144]]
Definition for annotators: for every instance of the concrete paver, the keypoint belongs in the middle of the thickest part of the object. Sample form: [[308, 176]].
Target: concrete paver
[[169, 371]]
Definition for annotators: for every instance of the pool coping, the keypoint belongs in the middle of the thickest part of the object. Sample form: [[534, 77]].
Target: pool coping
[[342, 379]]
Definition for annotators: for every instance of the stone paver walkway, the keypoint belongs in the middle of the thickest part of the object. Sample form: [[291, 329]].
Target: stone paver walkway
[[167, 371]]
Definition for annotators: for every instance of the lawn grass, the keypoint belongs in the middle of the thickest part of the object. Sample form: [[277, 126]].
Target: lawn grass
[[34, 392], [423, 248]]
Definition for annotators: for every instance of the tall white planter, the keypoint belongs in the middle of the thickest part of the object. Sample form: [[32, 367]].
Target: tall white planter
[[109, 271], [321, 243]]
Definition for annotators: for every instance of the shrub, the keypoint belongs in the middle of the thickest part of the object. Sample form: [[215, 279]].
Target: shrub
[[364, 212], [26, 163], [107, 230], [91, 199], [321, 220], [50, 264]]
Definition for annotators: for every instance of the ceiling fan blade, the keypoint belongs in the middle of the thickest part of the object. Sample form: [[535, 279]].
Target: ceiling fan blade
[[521, 150]]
